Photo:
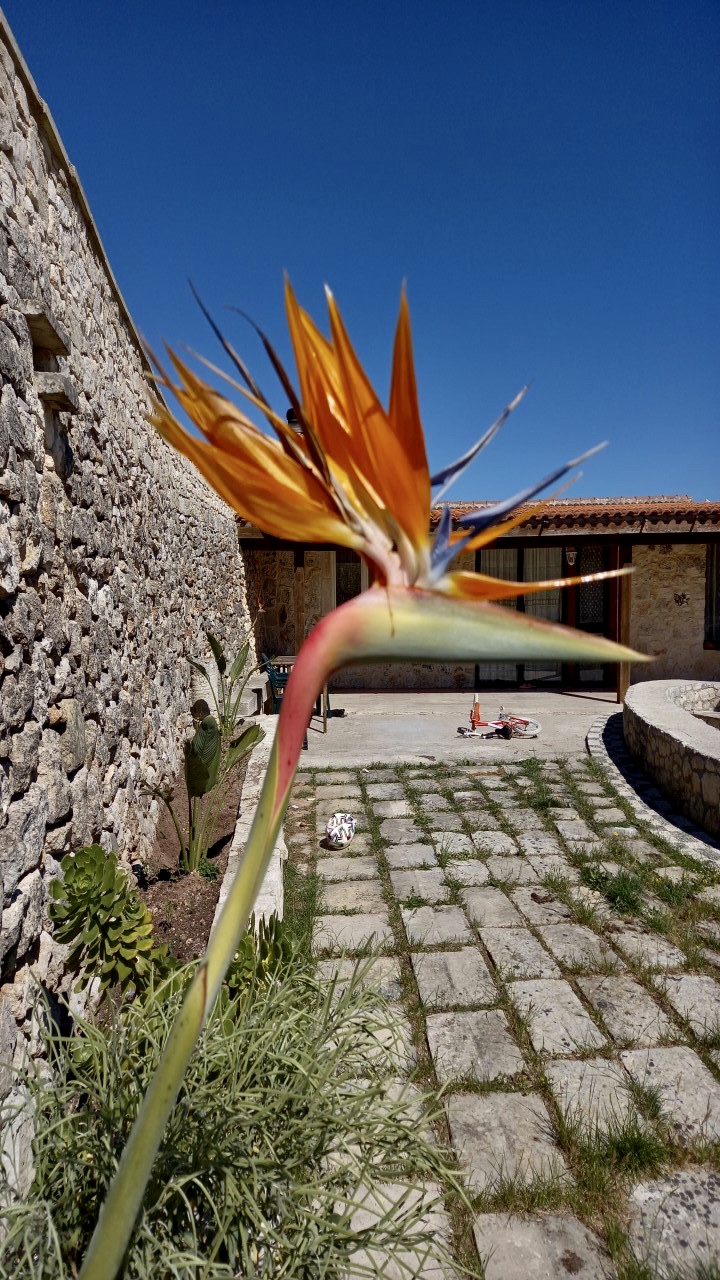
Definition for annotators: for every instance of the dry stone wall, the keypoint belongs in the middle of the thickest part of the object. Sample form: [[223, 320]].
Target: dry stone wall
[[114, 554]]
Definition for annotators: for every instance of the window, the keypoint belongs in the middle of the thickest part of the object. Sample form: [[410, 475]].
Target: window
[[712, 597], [351, 575]]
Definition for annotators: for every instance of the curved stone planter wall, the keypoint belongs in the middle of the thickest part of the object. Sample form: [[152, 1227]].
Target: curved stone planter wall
[[680, 752]]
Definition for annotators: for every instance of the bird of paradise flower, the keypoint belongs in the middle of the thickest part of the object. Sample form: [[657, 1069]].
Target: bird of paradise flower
[[356, 475]]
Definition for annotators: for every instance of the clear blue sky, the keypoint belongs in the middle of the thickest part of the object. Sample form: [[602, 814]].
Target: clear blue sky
[[544, 174]]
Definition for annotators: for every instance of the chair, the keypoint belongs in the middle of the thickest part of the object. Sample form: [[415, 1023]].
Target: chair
[[278, 681]]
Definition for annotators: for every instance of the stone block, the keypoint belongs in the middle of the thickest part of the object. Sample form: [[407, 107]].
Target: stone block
[[472, 1046], [73, 738], [346, 896], [594, 1094], [402, 857], [540, 906], [544, 1247], [696, 998], [631, 1016], [471, 873], [517, 954], [380, 974], [649, 949], [578, 947], [21, 839], [429, 886], [448, 978], [675, 1227], [558, 1024], [400, 831], [490, 909], [339, 934], [512, 870], [497, 1136], [689, 1093], [453, 842], [494, 842], [539, 843], [391, 809], [435, 926], [338, 868], [383, 1202]]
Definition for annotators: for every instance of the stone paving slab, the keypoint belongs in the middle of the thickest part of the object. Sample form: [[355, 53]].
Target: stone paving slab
[[400, 830], [403, 856], [351, 933], [539, 842], [472, 1046], [631, 1016], [380, 973], [337, 778], [434, 926], [353, 895], [609, 815], [327, 794], [540, 906], [517, 954], [472, 873], [490, 908], [512, 870], [676, 1223], [386, 791], [337, 868], [649, 949], [524, 820], [594, 1094], [446, 822], [447, 978], [501, 1135], [391, 809], [481, 820], [697, 999], [557, 1022], [577, 832], [545, 1247], [689, 1093], [554, 865], [494, 842], [382, 1201], [453, 842], [578, 947], [428, 885], [433, 803]]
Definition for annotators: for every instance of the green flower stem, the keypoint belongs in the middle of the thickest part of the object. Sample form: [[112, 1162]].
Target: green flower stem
[[389, 625]]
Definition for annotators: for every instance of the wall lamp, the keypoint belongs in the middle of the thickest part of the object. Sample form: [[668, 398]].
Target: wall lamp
[[571, 555]]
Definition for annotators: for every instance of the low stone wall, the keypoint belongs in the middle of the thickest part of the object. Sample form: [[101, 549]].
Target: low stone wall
[[678, 751]]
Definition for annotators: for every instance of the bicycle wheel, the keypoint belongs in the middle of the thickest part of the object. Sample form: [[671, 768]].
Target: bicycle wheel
[[525, 728]]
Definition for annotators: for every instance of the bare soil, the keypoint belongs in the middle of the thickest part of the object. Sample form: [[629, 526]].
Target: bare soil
[[183, 906]]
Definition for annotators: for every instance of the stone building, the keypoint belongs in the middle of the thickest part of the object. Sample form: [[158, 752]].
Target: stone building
[[669, 607], [114, 555]]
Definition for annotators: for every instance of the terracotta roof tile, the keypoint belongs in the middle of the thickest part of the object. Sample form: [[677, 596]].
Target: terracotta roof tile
[[629, 513]]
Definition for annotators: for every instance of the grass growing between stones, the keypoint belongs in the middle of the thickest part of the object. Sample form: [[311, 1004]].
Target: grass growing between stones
[[286, 1122], [603, 1164]]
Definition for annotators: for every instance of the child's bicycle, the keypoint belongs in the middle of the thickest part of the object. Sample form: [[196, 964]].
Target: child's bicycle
[[507, 725]]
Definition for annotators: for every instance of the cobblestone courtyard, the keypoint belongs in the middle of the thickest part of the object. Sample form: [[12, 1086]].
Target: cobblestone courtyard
[[554, 963]]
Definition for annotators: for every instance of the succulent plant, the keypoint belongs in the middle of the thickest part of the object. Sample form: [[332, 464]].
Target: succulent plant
[[110, 930], [264, 952]]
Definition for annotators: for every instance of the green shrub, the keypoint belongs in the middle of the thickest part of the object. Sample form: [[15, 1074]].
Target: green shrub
[[286, 1121], [109, 929]]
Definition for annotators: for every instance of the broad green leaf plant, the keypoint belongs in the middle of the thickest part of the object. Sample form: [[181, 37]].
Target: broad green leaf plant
[[355, 476]]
